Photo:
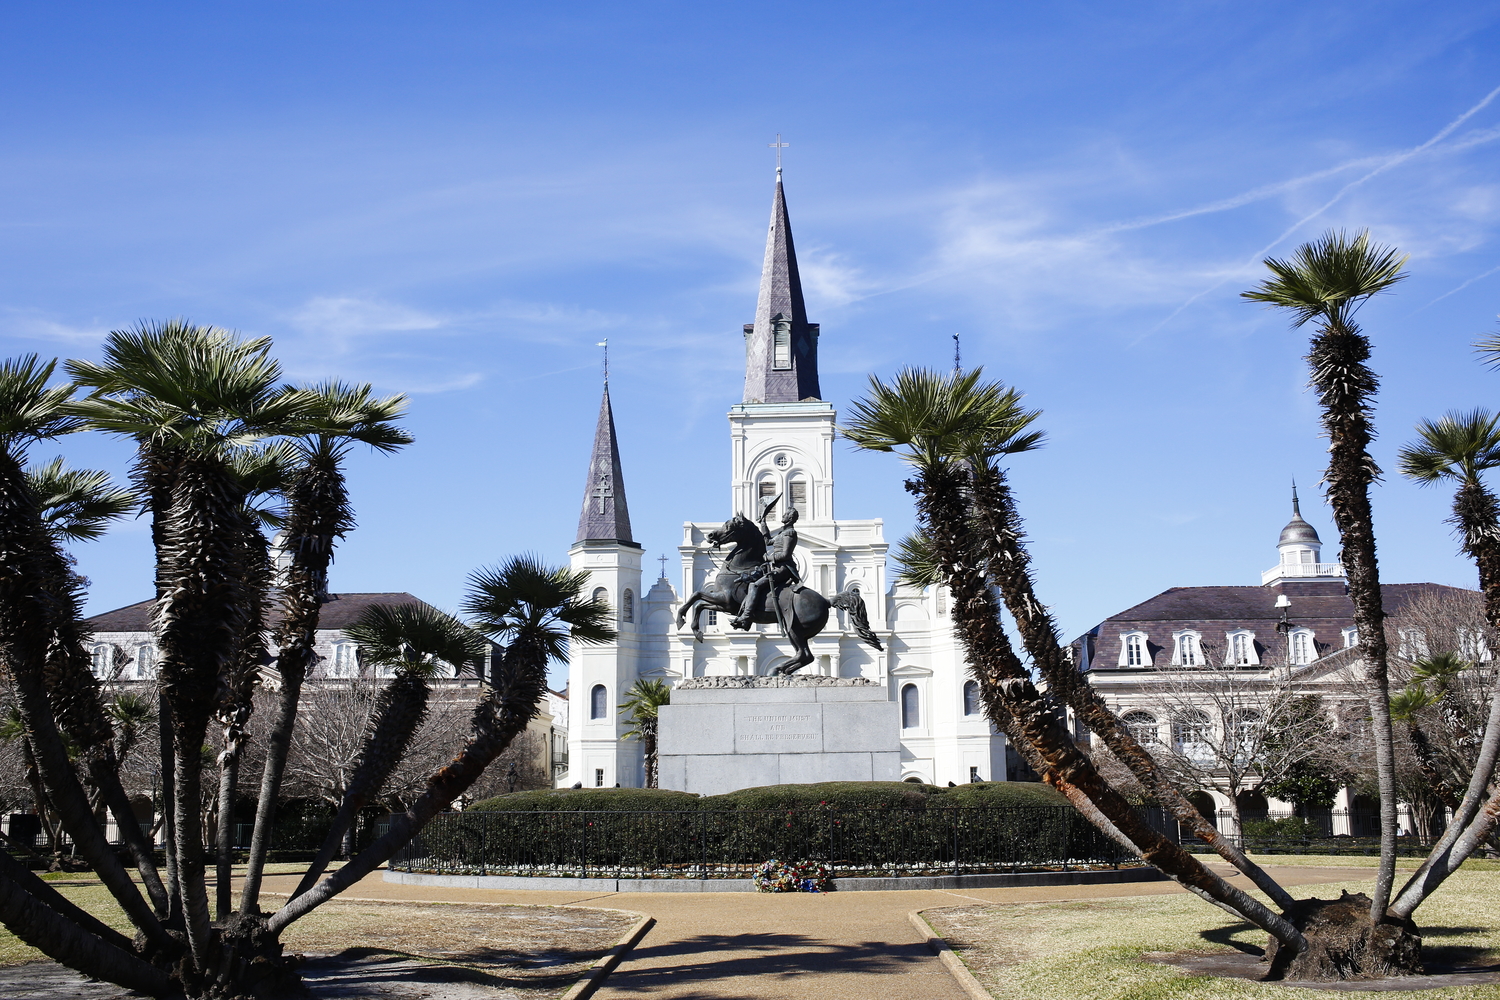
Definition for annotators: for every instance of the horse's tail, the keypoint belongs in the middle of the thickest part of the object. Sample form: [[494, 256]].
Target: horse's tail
[[849, 600]]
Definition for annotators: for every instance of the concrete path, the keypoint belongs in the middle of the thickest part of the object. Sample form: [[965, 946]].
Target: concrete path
[[750, 946]]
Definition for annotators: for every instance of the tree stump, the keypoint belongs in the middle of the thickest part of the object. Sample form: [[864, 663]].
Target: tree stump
[[1342, 943]]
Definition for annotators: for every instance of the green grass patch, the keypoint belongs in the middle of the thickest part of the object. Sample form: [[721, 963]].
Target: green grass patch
[[1092, 949]]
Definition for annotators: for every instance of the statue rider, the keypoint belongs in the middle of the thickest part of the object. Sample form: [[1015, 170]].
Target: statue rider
[[779, 571]]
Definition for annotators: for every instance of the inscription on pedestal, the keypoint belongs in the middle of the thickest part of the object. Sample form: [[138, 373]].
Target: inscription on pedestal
[[774, 728]]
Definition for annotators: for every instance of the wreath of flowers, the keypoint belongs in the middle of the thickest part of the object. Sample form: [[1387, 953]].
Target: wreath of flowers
[[796, 876]]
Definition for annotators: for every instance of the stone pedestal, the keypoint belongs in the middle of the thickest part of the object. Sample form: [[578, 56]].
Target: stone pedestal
[[724, 733]]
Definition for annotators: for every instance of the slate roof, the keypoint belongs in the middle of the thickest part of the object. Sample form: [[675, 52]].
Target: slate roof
[[780, 296], [605, 515], [1320, 605], [337, 613]]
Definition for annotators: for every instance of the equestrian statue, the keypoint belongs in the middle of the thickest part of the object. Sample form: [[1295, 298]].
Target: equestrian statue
[[759, 584]]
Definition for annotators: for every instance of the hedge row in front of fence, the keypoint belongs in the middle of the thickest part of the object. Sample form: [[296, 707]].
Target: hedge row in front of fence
[[837, 794], [731, 843]]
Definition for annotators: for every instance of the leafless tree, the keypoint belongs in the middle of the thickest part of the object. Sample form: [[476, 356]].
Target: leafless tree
[[531, 770], [1228, 728]]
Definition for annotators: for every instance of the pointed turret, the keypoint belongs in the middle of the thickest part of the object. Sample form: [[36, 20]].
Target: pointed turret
[[781, 346], [605, 517]]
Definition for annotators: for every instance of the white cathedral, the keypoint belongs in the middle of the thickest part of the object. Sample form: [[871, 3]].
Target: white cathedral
[[781, 439]]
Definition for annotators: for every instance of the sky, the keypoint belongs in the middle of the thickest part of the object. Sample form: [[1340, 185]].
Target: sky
[[459, 201]]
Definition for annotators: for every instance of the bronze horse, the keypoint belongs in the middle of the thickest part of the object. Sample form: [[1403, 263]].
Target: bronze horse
[[804, 610]]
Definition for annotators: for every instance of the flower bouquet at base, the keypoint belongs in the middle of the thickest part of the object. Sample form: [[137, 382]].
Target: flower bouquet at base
[[795, 876]]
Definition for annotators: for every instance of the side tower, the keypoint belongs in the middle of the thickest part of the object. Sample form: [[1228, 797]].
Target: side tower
[[598, 676]]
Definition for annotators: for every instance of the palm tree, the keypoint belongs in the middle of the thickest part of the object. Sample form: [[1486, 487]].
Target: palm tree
[[535, 611], [192, 398], [318, 515], [1325, 282], [1460, 447], [643, 701], [78, 504], [418, 641], [951, 429], [34, 614]]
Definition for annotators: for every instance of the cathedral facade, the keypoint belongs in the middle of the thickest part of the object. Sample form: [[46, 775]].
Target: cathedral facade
[[781, 441]]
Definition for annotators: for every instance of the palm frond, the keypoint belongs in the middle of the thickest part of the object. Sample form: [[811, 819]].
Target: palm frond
[[1458, 446], [78, 504], [919, 562], [29, 410], [1406, 703], [643, 701], [415, 638], [524, 600], [1329, 277]]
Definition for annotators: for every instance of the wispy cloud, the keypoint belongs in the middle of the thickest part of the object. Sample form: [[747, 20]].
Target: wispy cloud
[[32, 325], [346, 319], [1387, 163], [1455, 291]]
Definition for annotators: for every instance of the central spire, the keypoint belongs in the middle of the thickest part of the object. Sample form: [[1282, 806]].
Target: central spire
[[781, 346]]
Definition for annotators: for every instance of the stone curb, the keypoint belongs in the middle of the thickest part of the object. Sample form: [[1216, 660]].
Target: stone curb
[[948, 957], [1108, 876], [585, 987]]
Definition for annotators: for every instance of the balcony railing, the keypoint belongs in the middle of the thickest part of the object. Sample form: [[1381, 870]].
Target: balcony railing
[[1292, 571]]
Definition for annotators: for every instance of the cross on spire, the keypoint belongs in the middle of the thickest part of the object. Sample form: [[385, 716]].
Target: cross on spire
[[603, 493], [605, 344], [663, 560], [957, 358], [778, 145]]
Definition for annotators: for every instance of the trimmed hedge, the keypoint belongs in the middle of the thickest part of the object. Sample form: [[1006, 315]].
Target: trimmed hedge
[[838, 794]]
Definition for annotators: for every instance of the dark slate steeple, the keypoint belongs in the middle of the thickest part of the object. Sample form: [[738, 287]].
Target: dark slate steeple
[[781, 346], [605, 517]]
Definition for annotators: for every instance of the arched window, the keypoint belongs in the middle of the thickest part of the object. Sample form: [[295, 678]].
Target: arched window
[[1191, 729], [765, 490], [600, 595], [145, 662], [781, 341], [971, 697], [627, 606], [1142, 726], [599, 702], [1187, 653], [1242, 649], [104, 661], [1133, 651], [797, 495], [911, 708], [1246, 732], [1303, 650], [345, 660]]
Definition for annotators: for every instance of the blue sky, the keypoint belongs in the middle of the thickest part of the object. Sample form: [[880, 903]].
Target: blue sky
[[459, 201]]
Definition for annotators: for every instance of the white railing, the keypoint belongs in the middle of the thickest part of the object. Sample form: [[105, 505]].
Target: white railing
[[1287, 571]]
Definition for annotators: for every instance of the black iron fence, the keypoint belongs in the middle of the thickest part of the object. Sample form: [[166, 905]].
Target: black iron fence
[[732, 844]]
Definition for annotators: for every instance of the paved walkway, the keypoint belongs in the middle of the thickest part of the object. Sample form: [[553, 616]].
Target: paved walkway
[[751, 946]]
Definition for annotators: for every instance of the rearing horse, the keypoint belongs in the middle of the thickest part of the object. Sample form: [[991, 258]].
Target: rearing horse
[[804, 610]]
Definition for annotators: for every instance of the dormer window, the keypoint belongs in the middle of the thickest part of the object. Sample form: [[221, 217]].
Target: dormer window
[[1413, 644], [1302, 649], [1133, 650], [1351, 637], [1242, 651], [1186, 650], [781, 343]]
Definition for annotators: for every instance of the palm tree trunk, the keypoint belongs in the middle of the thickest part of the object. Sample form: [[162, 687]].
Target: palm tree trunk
[[399, 711], [1008, 560], [39, 923], [648, 746], [168, 819], [229, 771], [319, 514], [199, 617], [502, 714], [1345, 385], [945, 511], [28, 621]]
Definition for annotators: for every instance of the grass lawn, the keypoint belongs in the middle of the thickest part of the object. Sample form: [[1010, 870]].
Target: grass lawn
[[531, 951], [1091, 950]]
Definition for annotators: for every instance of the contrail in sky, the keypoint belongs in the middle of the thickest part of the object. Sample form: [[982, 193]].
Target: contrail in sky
[[1390, 162], [1466, 284]]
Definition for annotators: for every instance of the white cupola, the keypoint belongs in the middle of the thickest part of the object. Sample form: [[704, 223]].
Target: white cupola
[[1299, 551]]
